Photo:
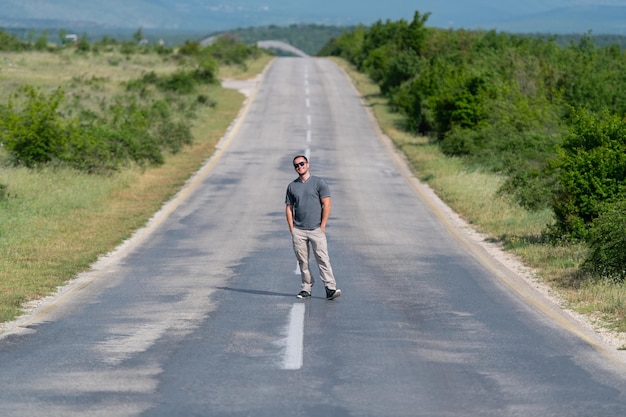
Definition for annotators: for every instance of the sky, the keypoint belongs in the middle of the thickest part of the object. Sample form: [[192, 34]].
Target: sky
[[229, 14]]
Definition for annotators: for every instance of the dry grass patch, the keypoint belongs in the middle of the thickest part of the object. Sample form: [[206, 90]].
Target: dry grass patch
[[49, 70]]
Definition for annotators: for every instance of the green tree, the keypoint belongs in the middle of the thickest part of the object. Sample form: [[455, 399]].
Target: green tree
[[41, 44], [138, 35], [83, 43]]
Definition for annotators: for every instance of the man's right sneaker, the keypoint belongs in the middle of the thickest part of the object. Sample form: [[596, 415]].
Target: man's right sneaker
[[332, 294], [303, 294]]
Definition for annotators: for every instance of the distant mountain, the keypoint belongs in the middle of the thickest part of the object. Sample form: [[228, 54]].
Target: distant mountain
[[209, 15], [552, 16], [597, 19]]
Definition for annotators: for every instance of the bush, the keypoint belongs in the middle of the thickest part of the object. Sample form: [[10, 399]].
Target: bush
[[190, 48], [607, 241], [591, 171], [180, 82], [229, 51], [131, 138], [174, 135], [35, 134], [206, 69], [9, 42], [530, 187]]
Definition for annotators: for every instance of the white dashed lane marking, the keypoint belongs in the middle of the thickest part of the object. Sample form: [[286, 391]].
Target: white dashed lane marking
[[294, 346]]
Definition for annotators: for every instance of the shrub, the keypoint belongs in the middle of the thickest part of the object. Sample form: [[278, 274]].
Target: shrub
[[530, 187], [41, 44], [128, 48], [229, 51], [180, 82], [206, 69], [92, 153], [401, 69], [462, 107], [408, 100], [35, 134], [9, 42], [169, 134], [190, 48], [607, 243], [174, 135], [83, 44], [591, 171], [129, 137]]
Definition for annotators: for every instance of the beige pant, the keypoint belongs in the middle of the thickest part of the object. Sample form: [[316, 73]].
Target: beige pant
[[303, 242]]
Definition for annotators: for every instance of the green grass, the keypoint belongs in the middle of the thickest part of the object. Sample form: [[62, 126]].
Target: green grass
[[473, 194], [40, 222]]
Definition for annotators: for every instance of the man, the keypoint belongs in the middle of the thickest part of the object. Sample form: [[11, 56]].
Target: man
[[307, 211]]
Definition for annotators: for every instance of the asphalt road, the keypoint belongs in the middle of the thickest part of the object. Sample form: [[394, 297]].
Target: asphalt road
[[197, 316]]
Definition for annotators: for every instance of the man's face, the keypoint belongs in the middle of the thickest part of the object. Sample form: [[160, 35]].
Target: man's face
[[300, 165]]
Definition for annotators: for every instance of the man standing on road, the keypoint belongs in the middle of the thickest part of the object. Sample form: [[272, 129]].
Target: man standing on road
[[308, 209]]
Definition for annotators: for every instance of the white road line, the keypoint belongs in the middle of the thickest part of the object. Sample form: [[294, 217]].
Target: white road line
[[307, 153], [308, 103], [308, 119], [294, 350], [308, 136], [297, 270]]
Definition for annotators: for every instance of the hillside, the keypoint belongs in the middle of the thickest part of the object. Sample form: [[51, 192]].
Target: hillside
[[308, 38], [597, 19]]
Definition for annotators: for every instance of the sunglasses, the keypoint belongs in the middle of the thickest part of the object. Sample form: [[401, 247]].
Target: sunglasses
[[299, 164]]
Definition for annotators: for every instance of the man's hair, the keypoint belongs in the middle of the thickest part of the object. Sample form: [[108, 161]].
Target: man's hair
[[300, 156]]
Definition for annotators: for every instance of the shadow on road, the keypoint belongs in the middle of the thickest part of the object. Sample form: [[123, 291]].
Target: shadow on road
[[256, 292]]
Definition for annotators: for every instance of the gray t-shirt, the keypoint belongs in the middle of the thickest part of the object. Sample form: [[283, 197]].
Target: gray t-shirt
[[305, 198]]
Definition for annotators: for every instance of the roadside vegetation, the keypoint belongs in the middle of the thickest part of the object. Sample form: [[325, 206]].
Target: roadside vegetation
[[94, 138], [525, 138]]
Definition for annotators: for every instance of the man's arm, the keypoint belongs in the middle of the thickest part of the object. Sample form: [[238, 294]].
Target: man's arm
[[325, 212], [289, 215]]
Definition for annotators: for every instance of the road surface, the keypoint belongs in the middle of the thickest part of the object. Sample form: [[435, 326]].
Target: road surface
[[197, 315]]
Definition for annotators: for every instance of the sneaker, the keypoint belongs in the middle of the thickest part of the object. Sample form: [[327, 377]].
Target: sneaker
[[303, 294], [332, 294]]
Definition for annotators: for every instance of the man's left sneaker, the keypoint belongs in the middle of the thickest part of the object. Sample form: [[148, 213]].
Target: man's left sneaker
[[303, 294], [332, 294]]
